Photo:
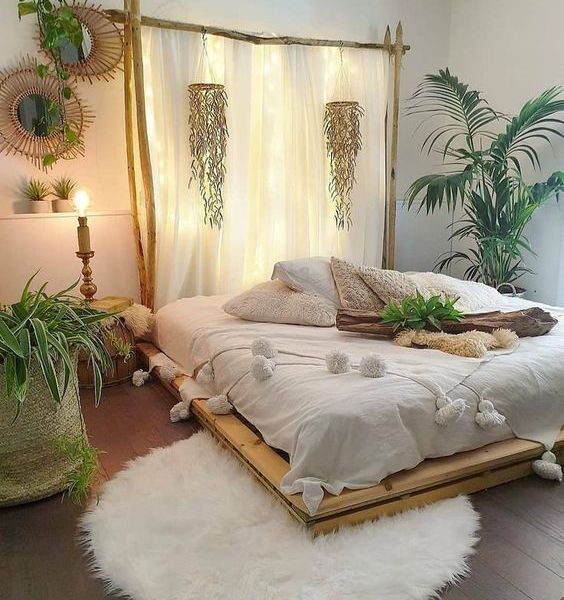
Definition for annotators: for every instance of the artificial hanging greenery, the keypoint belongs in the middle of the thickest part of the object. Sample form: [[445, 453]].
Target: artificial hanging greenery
[[208, 145], [58, 27], [344, 141]]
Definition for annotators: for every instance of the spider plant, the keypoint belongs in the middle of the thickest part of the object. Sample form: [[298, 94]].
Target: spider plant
[[35, 190], [64, 187], [484, 174], [415, 312], [50, 329]]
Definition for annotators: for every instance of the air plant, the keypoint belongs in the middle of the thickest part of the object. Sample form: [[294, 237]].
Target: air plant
[[208, 145], [64, 187], [415, 312], [35, 190], [344, 141]]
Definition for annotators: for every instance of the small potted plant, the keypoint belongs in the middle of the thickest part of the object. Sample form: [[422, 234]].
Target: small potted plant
[[37, 193], [43, 444], [62, 192]]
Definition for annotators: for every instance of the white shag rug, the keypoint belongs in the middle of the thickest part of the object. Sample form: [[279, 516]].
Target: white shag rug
[[188, 522]]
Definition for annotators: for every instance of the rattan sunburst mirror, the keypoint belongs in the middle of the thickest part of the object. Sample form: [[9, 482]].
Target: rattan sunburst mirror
[[101, 52], [30, 107]]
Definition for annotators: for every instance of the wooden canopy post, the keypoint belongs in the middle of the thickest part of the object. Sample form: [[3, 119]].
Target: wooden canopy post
[[130, 150], [397, 51], [144, 155]]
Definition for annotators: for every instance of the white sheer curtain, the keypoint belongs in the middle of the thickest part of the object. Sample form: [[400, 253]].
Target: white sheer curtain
[[276, 201]]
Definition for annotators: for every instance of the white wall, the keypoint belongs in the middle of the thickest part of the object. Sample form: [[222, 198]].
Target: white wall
[[27, 244]]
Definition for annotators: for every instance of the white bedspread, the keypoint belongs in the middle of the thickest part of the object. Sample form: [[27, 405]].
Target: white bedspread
[[350, 431]]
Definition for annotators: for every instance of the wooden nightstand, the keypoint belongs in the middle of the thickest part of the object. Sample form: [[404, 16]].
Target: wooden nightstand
[[120, 343]]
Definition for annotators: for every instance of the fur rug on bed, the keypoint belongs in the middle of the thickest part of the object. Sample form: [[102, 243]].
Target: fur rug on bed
[[187, 522]]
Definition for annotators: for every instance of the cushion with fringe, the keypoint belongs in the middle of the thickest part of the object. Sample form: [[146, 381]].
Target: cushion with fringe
[[353, 291]]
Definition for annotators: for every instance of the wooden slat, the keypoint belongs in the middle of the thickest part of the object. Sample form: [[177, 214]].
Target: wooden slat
[[433, 479]]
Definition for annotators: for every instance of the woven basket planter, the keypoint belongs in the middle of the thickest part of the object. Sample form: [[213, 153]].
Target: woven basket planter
[[31, 468]]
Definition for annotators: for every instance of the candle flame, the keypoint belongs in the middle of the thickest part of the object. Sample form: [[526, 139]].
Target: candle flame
[[81, 202]]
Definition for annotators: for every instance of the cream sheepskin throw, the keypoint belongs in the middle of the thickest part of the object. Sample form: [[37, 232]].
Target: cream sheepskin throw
[[353, 291], [473, 344]]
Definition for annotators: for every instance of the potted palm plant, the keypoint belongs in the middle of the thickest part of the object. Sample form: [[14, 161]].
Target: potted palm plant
[[43, 444], [484, 173], [37, 193], [62, 192]]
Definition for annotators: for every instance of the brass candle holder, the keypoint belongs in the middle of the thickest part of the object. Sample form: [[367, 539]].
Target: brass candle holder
[[88, 288]]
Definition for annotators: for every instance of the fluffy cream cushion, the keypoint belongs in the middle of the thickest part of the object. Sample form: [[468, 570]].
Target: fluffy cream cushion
[[275, 302], [389, 286], [312, 274], [353, 291]]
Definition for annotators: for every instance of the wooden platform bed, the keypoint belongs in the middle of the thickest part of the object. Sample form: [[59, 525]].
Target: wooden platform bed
[[432, 480]]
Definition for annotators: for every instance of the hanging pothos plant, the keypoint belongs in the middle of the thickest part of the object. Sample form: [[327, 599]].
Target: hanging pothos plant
[[58, 28]]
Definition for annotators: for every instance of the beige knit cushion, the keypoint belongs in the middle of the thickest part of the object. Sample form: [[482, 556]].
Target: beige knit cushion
[[274, 302], [353, 291], [389, 286]]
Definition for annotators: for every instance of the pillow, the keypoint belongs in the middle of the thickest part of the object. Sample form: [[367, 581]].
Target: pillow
[[311, 274], [275, 302], [388, 285], [473, 296], [353, 291]]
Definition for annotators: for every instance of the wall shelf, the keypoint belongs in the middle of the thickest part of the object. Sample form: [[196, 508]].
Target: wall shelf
[[65, 215]]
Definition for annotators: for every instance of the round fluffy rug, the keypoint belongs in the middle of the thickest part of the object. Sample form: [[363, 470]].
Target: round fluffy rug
[[188, 522]]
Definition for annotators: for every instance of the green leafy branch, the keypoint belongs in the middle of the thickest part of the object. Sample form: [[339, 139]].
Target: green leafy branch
[[415, 312], [58, 27]]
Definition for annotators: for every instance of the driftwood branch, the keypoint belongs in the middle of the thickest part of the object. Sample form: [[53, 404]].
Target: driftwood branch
[[525, 323]]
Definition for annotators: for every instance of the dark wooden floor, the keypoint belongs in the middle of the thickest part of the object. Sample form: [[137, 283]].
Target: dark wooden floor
[[520, 556]]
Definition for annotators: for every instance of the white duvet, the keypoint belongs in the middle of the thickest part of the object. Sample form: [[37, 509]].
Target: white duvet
[[349, 431]]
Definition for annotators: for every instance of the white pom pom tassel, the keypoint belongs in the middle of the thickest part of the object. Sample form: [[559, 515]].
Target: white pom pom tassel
[[139, 377], [205, 375], [448, 411], [167, 373], [337, 362], [180, 412], [487, 416], [372, 365], [262, 368], [263, 347], [547, 467], [219, 405]]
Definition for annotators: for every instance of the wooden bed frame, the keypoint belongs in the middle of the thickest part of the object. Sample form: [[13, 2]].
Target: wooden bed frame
[[432, 480]]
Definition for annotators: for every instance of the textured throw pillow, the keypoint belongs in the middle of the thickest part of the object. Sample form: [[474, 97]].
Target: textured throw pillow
[[275, 302], [388, 285], [473, 296], [312, 274], [353, 291]]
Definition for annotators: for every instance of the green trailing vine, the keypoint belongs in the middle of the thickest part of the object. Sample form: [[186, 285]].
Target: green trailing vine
[[414, 312], [58, 27]]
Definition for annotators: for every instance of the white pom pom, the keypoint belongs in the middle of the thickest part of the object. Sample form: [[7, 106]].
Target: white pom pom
[[180, 412], [487, 416], [205, 374], [219, 405], [449, 411], [139, 377], [372, 365], [262, 368], [263, 347], [547, 467], [167, 373], [337, 362]]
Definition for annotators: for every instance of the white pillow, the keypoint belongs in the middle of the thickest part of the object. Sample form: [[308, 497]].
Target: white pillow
[[473, 296], [311, 274], [275, 302]]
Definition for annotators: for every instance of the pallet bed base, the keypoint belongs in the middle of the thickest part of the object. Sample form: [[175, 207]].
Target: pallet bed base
[[432, 480]]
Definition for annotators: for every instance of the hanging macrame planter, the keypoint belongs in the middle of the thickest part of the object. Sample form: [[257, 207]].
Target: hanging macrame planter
[[208, 144], [341, 127]]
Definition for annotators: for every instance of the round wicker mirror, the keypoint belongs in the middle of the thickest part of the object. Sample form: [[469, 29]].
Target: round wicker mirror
[[102, 47], [31, 115]]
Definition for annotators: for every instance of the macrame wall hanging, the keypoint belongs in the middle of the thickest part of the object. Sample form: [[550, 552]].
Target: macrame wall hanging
[[344, 140], [208, 139]]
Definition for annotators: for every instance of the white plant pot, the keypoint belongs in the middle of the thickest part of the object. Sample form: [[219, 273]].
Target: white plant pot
[[40, 206], [61, 205]]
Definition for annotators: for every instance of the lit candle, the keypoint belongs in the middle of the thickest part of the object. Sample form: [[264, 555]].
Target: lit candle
[[81, 202]]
